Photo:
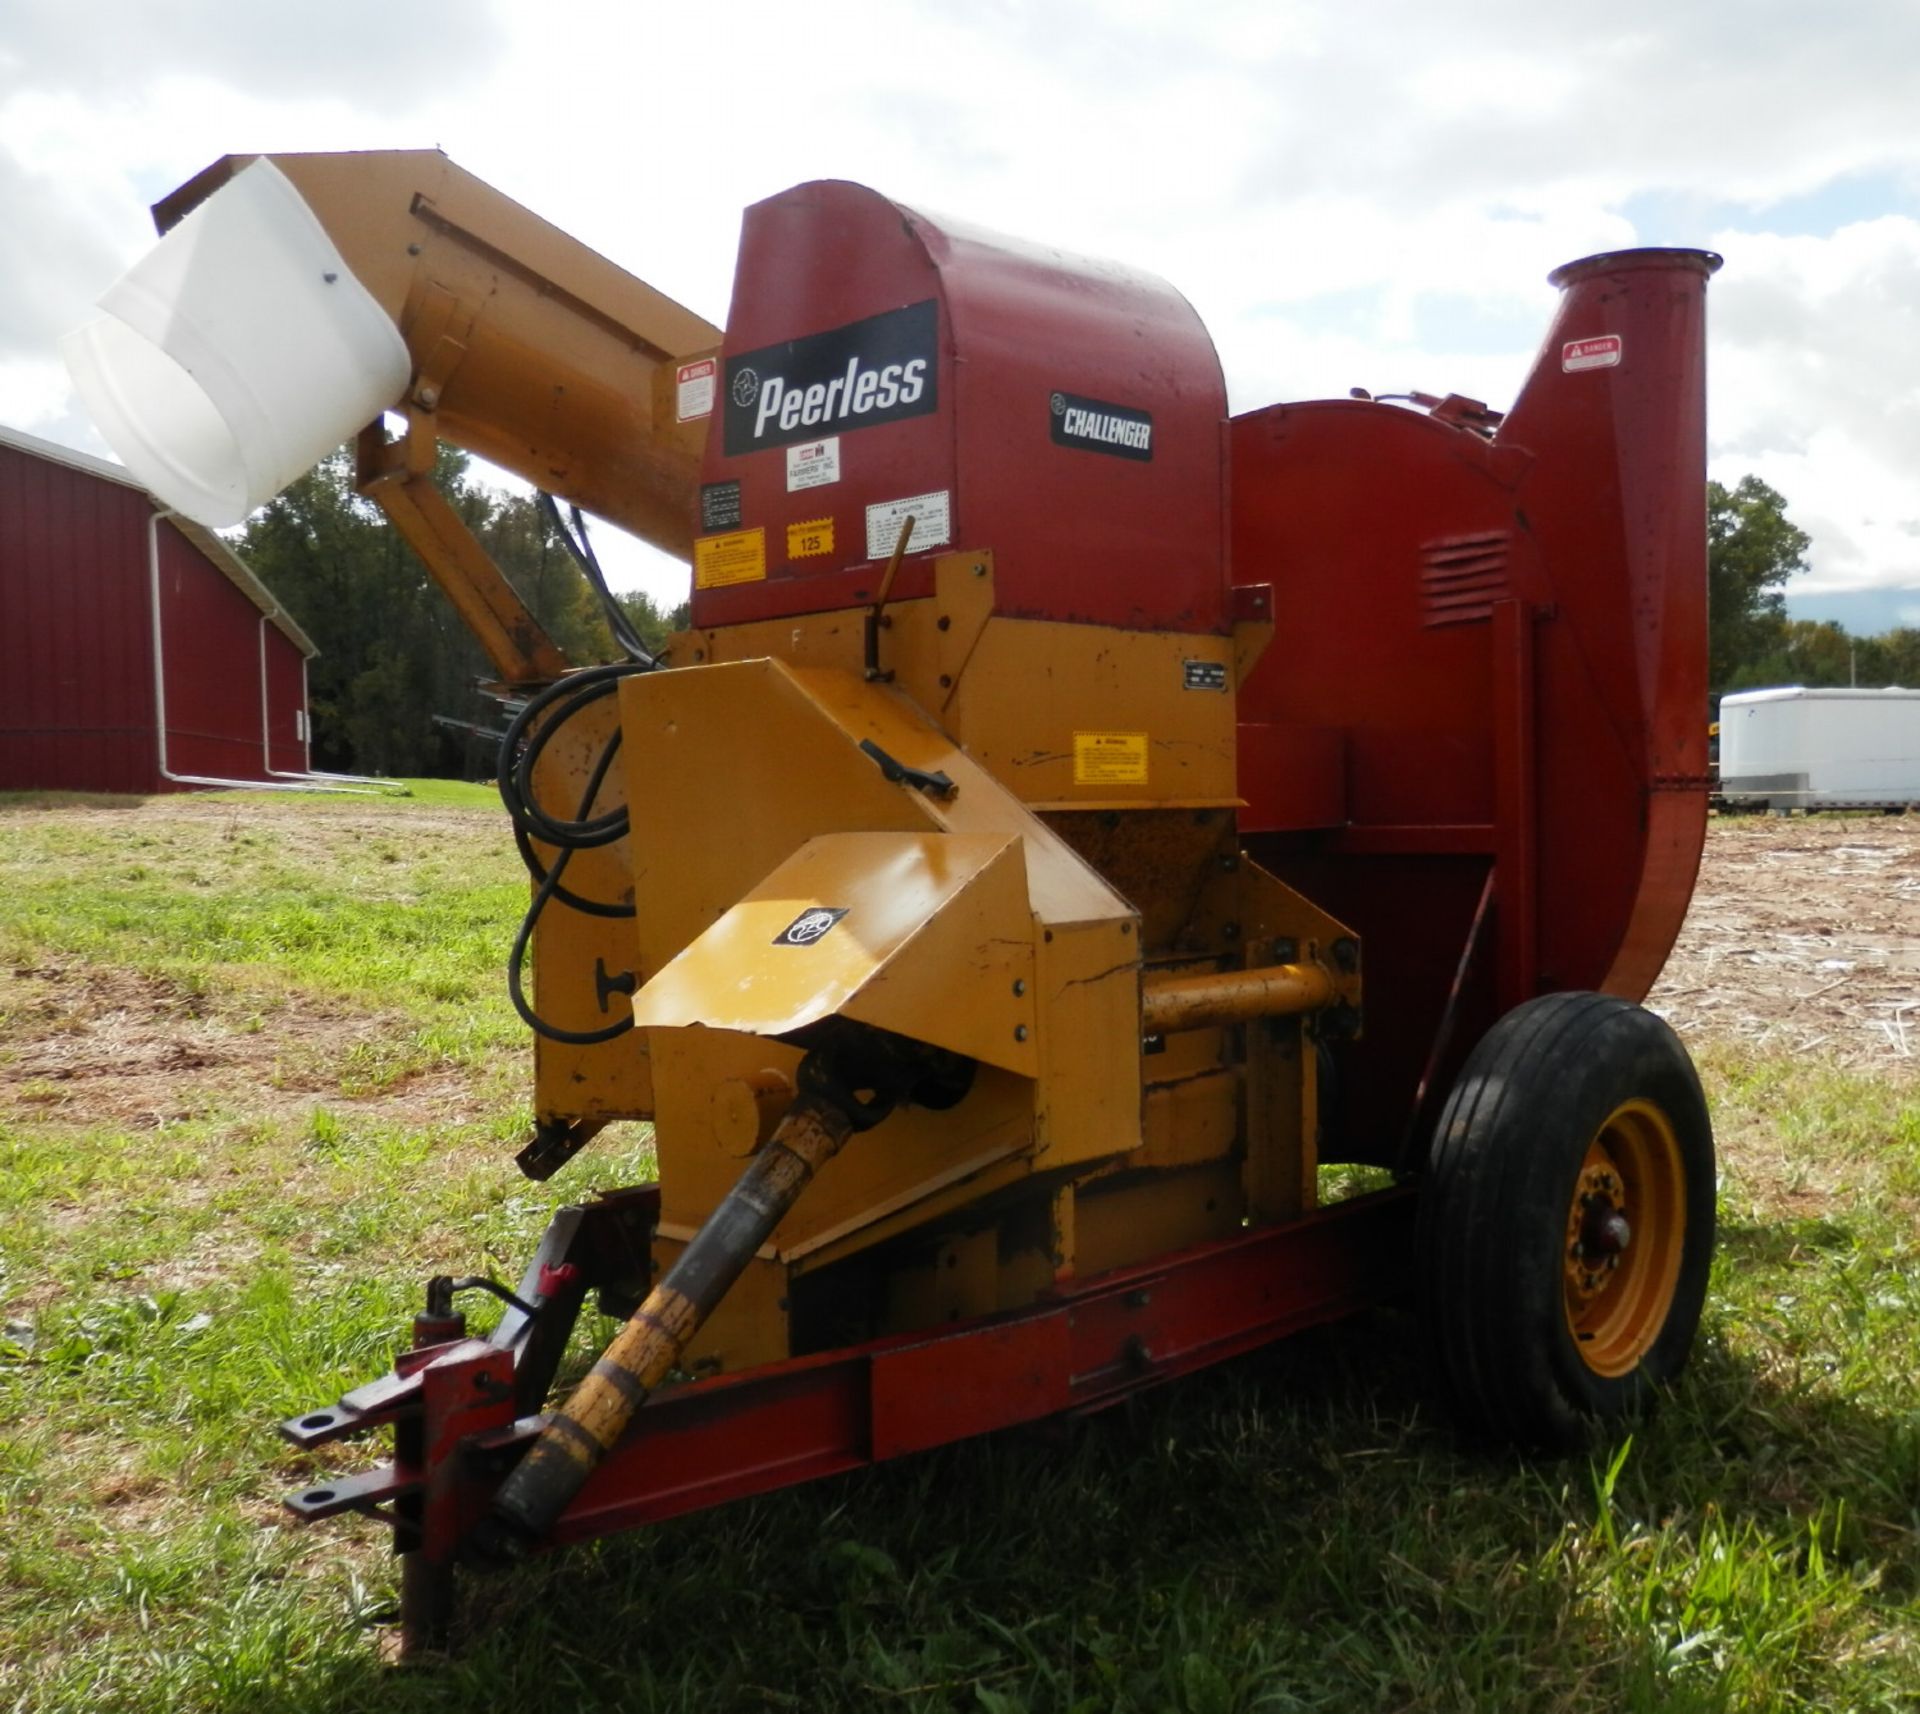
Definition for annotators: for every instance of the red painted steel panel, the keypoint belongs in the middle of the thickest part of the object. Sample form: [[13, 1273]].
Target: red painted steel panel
[[1393, 542], [1116, 526], [210, 639], [915, 1405], [1080, 1349], [778, 1427], [1097, 1342]]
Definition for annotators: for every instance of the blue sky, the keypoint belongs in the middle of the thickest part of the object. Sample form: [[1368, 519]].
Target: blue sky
[[1360, 193]]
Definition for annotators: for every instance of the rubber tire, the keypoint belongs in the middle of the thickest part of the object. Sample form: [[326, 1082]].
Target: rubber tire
[[1507, 1154]]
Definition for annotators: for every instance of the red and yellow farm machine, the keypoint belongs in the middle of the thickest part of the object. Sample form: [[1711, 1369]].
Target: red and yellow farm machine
[[1072, 818]]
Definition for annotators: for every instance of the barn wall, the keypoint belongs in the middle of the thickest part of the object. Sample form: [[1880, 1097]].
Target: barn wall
[[76, 645], [287, 700], [211, 644], [76, 678]]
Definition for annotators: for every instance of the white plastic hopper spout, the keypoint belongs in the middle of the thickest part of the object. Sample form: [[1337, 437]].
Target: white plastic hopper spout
[[237, 353]]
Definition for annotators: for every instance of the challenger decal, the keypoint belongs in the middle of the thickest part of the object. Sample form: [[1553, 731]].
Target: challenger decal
[[1094, 425]]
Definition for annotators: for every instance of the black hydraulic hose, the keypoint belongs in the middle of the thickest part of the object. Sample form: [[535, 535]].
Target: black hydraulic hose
[[515, 775], [580, 548], [581, 833], [517, 958], [564, 895], [555, 706]]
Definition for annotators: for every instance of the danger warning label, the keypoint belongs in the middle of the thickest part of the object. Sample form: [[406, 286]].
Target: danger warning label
[[1602, 352], [693, 389], [1109, 758]]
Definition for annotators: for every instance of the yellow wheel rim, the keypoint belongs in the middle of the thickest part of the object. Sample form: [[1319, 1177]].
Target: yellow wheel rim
[[1626, 1228]]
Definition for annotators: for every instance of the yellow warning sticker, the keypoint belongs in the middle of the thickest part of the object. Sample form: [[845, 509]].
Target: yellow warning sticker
[[1109, 758], [738, 558], [810, 538]]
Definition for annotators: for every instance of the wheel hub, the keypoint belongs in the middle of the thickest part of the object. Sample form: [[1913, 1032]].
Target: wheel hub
[[1625, 1225], [1598, 1231]]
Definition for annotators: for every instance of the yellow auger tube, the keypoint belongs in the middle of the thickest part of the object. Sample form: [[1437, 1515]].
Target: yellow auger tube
[[520, 343]]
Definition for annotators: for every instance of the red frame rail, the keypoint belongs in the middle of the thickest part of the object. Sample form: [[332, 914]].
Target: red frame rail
[[1089, 1343]]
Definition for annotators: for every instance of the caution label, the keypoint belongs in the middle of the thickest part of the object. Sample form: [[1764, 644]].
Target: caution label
[[932, 516], [693, 389], [738, 558], [1109, 758], [810, 538]]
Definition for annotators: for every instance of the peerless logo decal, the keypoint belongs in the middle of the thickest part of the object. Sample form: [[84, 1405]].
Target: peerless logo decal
[[1096, 426], [853, 377], [809, 926]]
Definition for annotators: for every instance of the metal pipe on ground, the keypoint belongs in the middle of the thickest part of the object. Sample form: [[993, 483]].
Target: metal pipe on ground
[[308, 775]]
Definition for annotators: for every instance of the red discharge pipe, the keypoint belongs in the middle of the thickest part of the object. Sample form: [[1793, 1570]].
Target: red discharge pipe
[[1615, 414]]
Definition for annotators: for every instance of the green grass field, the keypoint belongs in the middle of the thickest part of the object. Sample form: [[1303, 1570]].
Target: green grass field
[[257, 1079]]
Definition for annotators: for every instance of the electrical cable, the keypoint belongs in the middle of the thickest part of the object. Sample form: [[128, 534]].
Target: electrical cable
[[580, 547]]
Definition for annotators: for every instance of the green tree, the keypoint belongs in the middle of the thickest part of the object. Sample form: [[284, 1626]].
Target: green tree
[[1752, 549], [1816, 653], [651, 623], [1820, 654], [393, 655], [516, 531], [1896, 658]]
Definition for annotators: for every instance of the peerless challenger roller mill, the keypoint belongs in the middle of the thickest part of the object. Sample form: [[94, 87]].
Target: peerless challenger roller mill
[[1073, 817]]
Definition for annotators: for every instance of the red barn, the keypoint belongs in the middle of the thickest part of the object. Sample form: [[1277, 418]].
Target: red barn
[[137, 653]]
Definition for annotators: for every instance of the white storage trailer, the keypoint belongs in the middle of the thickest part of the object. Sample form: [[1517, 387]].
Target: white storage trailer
[[1821, 749]]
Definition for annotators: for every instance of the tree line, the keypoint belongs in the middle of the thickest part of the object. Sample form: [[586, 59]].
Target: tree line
[[397, 679], [396, 683], [1753, 547]]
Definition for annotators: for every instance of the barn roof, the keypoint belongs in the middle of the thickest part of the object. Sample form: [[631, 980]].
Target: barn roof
[[223, 557]]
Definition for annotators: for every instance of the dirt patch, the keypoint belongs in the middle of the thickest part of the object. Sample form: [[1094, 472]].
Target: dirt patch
[[288, 816], [1804, 937], [96, 1046]]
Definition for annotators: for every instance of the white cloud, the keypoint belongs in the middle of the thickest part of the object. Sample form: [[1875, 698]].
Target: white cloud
[[1347, 195], [1816, 389], [384, 51]]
